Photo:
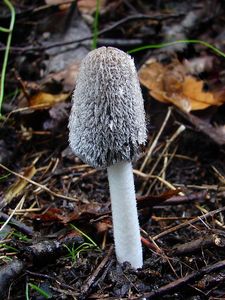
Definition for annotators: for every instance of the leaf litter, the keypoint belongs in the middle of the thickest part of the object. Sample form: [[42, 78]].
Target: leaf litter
[[172, 84], [180, 187]]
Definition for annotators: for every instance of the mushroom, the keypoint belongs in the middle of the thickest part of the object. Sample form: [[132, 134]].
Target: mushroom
[[106, 127]]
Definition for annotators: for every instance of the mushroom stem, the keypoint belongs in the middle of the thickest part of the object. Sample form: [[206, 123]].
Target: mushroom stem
[[124, 213]]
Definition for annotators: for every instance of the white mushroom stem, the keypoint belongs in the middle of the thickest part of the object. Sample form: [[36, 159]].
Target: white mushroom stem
[[124, 213]]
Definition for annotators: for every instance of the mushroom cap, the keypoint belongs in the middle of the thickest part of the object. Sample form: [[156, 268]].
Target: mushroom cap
[[107, 120]]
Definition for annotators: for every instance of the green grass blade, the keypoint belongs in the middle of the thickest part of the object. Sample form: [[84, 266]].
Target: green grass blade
[[163, 45], [40, 291], [5, 60], [3, 29], [85, 235], [27, 292], [95, 28]]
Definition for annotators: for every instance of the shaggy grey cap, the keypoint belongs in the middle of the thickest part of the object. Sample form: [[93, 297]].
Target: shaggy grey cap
[[107, 120]]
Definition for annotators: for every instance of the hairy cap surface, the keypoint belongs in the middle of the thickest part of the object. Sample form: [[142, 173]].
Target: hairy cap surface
[[107, 120]]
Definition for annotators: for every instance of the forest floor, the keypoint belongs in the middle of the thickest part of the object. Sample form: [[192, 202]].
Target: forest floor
[[56, 239]]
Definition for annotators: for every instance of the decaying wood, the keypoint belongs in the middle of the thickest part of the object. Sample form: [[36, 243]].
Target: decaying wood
[[19, 225], [211, 281], [8, 273], [38, 255], [45, 251]]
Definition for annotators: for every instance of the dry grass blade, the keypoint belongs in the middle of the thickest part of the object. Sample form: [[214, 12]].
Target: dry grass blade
[[154, 143], [180, 129], [19, 185], [147, 176], [12, 213], [187, 223], [43, 187]]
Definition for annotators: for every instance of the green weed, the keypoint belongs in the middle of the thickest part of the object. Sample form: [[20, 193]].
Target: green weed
[[74, 253], [95, 27], [20, 236], [37, 289]]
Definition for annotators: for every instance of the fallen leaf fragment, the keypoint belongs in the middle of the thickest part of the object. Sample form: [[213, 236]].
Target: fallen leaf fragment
[[56, 214], [216, 133], [62, 215], [63, 5], [171, 84], [89, 6], [46, 100], [19, 185], [67, 76]]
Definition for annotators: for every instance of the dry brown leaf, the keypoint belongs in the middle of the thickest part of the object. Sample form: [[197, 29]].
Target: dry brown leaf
[[66, 76], [46, 100], [89, 6], [172, 84], [193, 90], [19, 185], [62, 215], [63, 3]]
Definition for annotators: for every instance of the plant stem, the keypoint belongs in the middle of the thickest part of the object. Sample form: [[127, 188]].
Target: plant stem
[[95, 29], [5, 61]]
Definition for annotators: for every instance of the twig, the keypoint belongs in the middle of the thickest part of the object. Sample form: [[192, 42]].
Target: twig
[[199, 244], [116, 42], [150, 200], [108, 29], [86, 288], [179, 283], [84, 175], [211, 187]]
